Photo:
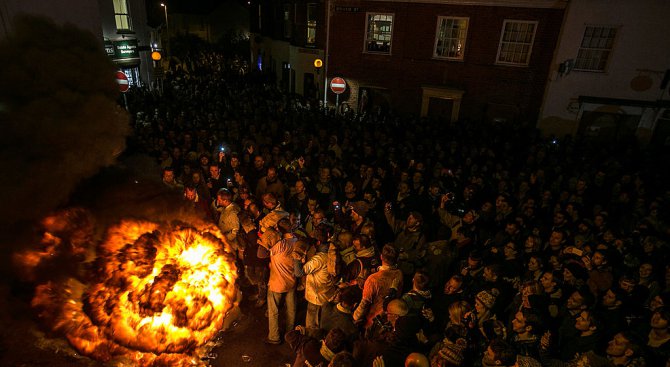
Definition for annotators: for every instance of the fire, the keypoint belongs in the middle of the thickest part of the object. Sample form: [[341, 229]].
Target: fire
[[154, 296]]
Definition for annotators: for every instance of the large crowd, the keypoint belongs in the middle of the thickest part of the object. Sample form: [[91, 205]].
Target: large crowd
[[412, 241]]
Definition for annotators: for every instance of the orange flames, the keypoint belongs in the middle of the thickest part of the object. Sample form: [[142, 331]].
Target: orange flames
[[155, 295]]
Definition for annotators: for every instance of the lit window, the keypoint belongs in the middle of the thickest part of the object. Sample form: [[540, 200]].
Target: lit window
[[595, 48], [311, 23], [122, 16], [450, 37], [379, 32], [516, 42]]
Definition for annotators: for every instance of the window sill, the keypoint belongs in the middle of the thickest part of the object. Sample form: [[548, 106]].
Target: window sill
[[511, 65], [439, 58], [377, 53]]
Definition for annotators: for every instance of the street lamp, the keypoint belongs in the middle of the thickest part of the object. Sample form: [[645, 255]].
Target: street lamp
[[167, 28]]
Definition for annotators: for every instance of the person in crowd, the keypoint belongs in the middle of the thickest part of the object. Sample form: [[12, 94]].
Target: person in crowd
[[170, 181], [215, 181], [229, 223], [282, 282], [312, 352], [386, 282], [297, 202], [340, 314], [409, 242], [320, 284], [270, 183]]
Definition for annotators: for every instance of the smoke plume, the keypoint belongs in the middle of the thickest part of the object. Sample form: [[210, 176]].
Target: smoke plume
[[60, 119]]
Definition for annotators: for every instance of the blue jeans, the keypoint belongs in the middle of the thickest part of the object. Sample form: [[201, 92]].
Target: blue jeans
[[274, 302]]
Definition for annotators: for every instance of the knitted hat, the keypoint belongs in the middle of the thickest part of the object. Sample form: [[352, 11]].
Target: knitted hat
[[452, 353], [488, 298], [523, 361], [360, 207]]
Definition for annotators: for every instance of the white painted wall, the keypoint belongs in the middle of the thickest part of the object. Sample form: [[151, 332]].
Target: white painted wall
[[642, 43]]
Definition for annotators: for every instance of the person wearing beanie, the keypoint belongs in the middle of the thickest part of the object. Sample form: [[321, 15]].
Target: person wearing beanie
[[524, 361], [451, 354], [313, 352], [486, 298], [484, 302]]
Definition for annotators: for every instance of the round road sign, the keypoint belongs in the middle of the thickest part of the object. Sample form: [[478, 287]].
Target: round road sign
[[338, 85], [122, 79]]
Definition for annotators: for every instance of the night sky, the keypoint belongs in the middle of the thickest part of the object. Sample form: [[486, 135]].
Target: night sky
[[156, 15]]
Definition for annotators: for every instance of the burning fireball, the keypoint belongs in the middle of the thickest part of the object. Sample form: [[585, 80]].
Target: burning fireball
[[155, 295]]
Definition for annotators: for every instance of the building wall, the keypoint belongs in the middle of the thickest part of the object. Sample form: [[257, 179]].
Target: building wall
[[640, 56], [489, 89], [277, 50]]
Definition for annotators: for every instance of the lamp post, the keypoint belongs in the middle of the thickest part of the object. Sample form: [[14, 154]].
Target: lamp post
[[167, 27]]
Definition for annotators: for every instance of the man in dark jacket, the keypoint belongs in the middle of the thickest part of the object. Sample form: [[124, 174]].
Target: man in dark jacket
[[340, 315]]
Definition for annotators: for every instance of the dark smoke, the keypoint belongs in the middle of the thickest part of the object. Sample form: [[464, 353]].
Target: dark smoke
[[59, 116]]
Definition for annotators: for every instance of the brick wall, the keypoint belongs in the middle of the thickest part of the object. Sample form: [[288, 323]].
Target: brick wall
[[411, 64]]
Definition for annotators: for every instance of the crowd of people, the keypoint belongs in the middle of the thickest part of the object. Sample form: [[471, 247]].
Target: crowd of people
[[414, 242]]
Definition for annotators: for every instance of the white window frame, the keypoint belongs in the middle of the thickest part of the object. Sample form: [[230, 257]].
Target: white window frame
[[597, 46], [121, 13], [516, 43], [462, 36], [367, 37]]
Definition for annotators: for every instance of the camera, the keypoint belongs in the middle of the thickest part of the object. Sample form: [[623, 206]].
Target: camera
[[382, 323], [470, 317]]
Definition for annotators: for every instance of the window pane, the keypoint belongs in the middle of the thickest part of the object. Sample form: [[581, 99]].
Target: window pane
[[379, 30], [595, 48], [450, 37], [516, 42]]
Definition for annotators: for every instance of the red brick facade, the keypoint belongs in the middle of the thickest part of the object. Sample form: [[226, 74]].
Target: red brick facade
[[411, 64]]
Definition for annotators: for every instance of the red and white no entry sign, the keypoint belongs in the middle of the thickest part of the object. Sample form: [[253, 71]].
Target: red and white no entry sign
[[122, 79], [338, 85]]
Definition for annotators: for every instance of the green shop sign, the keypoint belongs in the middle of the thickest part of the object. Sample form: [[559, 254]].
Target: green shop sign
[[126, 49]]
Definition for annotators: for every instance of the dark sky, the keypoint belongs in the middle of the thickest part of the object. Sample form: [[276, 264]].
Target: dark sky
[[155, 11]]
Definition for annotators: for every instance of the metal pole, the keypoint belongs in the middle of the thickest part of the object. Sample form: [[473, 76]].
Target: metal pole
[[325, 57], [125, 102], [337, 104], [167, 28]]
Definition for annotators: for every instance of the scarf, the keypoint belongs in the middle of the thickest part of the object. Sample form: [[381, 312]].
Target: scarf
[[326, 353]]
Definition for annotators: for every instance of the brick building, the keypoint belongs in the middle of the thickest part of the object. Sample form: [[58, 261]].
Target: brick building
[[476, 58]]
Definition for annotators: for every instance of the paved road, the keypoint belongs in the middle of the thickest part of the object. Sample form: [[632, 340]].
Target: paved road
[[247, 339]]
